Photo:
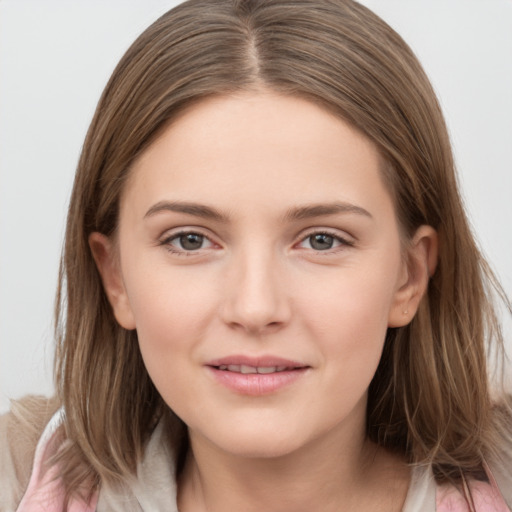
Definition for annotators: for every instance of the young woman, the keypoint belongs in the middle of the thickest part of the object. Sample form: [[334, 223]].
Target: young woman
[[270, 297]]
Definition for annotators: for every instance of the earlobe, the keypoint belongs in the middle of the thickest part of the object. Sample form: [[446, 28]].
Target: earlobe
[[419, 265], [107, 261]]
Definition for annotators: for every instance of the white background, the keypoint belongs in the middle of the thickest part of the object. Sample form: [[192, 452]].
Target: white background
[[55, 58]]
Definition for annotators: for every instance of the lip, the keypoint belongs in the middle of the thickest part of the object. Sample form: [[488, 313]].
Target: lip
[[256, 384], [265, 360]]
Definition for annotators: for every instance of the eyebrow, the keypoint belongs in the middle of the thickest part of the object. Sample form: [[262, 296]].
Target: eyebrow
[[319, 210], [197, 210], [293, 214]]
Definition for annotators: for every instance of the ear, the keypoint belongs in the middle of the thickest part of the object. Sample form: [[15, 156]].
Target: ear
[[419, 265], [106, 257]]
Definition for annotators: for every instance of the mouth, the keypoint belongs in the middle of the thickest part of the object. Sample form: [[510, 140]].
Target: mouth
[[263, 376], [262, 370]]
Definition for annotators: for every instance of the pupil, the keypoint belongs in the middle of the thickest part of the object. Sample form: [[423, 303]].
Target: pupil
[[321, 242], [191, 241]]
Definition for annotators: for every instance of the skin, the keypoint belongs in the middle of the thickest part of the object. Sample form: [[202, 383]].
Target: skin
[[259, 283]]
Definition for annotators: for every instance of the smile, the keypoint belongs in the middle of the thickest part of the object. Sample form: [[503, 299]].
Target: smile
[[245, 369], [256, 376]]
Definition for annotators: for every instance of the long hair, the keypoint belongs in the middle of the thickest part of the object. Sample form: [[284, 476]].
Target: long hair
[[430, 399]]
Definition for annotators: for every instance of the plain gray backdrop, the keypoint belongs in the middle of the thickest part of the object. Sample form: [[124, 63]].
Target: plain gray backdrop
[[55, 58]]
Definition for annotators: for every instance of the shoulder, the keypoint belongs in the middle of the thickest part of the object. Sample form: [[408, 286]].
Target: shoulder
[[500, 459], [20, 430], [492, 494], [477, 495], [502, 476]]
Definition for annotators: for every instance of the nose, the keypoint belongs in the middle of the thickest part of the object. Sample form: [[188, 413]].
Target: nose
[[256, 299]]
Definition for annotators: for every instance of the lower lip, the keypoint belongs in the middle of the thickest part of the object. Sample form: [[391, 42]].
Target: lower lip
[[257, 384]]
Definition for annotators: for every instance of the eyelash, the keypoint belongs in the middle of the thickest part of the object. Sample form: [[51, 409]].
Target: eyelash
[[343, 242], [167, 242]]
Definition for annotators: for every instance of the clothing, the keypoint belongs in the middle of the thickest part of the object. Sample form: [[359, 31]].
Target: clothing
[[154, 489], [425, 495]]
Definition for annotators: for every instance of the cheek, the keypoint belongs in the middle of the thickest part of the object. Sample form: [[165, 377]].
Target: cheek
[[352, 299], [172, 318], [172, 310], [347, 315]]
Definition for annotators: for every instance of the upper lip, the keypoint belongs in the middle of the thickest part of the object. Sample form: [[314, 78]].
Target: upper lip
[[256, 362]]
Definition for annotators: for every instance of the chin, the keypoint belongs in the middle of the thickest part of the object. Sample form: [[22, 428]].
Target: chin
[[261, 448], [258, 440]]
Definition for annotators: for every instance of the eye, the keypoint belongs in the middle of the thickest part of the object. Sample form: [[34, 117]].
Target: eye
[[324, 241], [187, 241]]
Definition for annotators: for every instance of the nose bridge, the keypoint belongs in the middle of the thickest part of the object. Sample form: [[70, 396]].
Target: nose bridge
[[257, 298]]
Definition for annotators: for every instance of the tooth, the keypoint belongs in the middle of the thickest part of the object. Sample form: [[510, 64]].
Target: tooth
[[234, 368], [280, 368], [248, 369], [269, 369], [223, 367]]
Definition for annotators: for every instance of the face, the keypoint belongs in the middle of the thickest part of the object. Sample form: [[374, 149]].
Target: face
[[258, 257]]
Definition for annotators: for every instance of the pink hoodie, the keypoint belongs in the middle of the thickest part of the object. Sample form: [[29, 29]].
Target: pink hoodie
[[45, 492]]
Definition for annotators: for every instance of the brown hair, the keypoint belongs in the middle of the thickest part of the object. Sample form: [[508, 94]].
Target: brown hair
[[430, 397]]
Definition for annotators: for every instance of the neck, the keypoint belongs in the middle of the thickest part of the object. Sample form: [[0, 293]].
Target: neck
[[325, 475]]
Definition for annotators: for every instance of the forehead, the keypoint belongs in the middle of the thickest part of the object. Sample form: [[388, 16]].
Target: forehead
[[260, 149]]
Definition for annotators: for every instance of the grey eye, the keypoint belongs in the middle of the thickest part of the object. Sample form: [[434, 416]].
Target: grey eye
[[187, 242], [190, 241], [321, 241]]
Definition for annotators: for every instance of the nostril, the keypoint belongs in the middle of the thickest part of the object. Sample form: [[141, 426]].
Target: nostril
[[258, 329]]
